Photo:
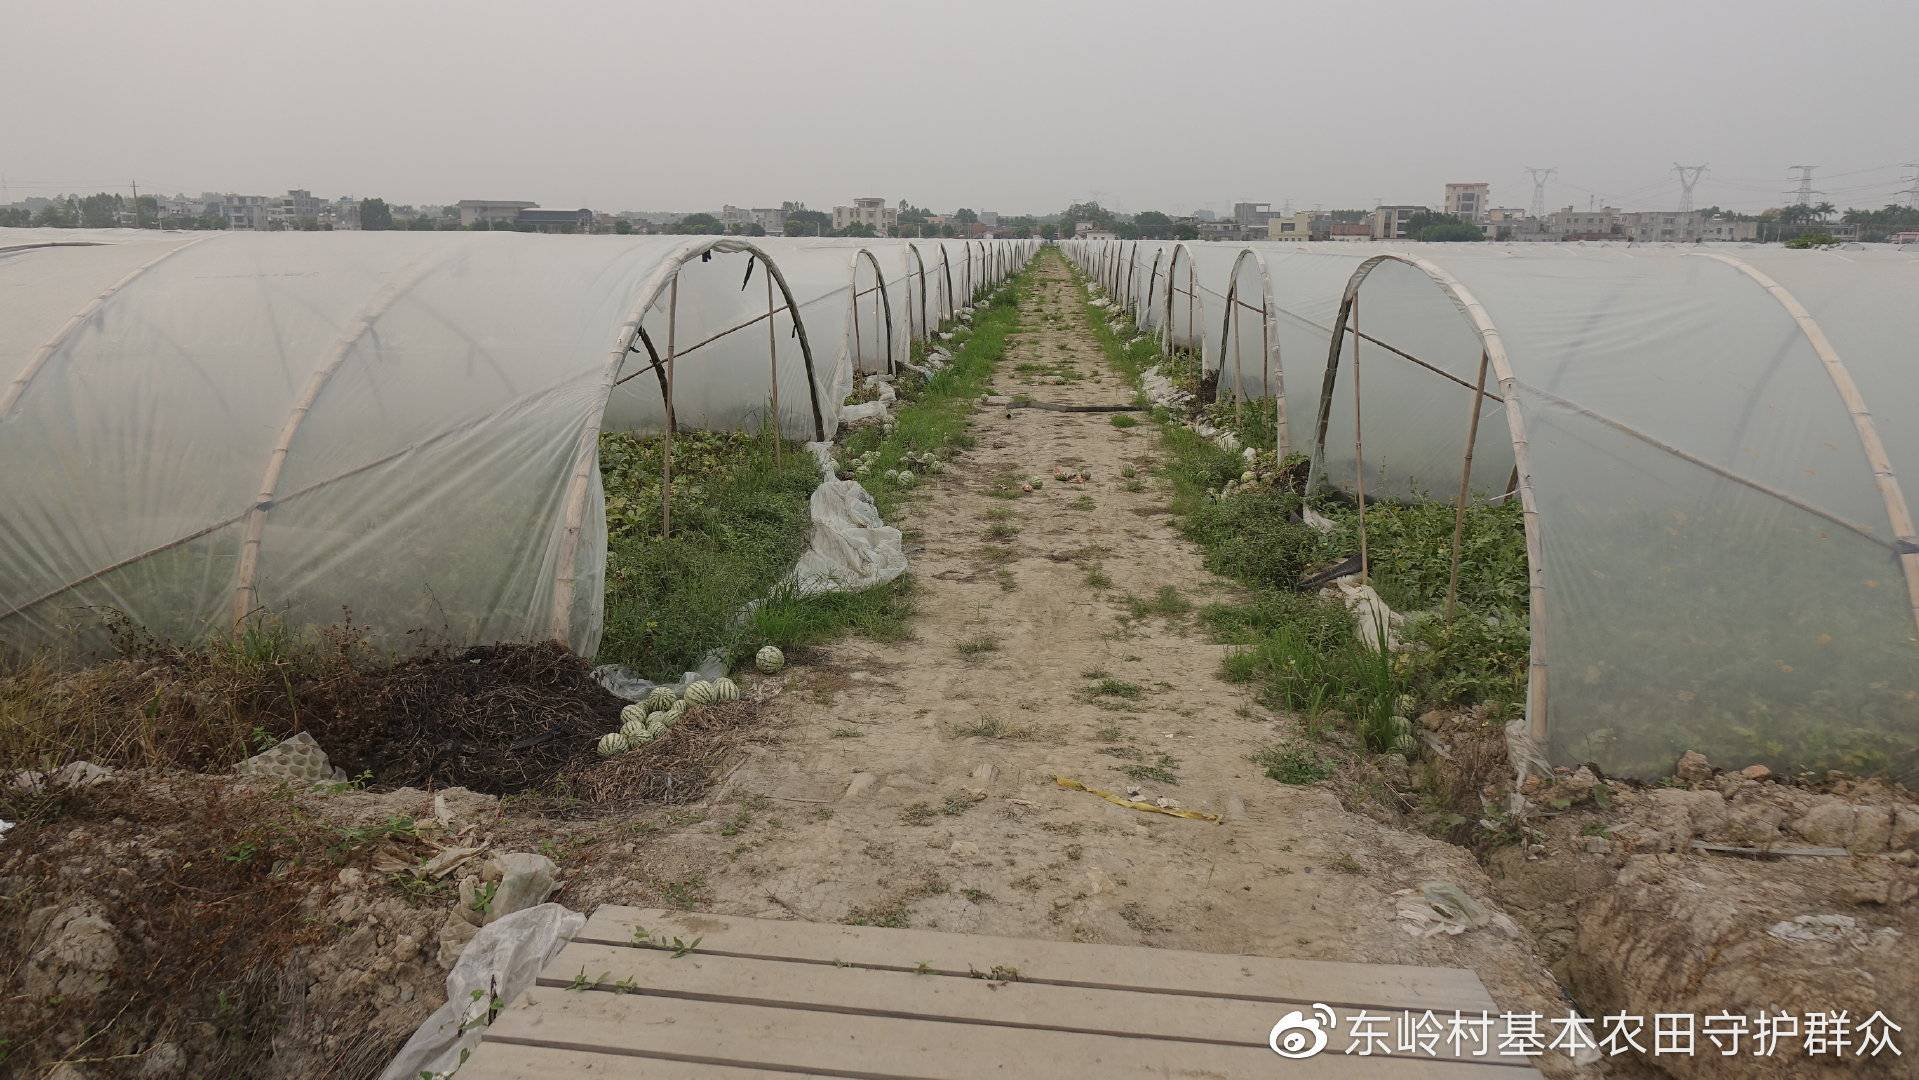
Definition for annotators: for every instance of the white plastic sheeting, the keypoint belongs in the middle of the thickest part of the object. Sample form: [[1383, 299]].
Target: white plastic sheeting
[[1711, 446], [501, 962], [400, 426], [845, 309], [1715, 566]]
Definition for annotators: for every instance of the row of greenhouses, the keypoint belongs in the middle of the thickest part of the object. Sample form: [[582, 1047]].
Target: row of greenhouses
[[400, 428], [1710, 446]]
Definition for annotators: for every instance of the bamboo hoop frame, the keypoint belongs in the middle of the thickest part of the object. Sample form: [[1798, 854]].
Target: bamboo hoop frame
[[1359, 455], [1494, 348], [1152, 288], [919, 260], [666, 457], [1898, 514], [773, 371], [586, 452], [11, 396], [246, 586]]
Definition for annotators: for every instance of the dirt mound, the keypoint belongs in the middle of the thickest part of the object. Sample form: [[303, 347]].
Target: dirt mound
[[1712, 892], [162, 927]]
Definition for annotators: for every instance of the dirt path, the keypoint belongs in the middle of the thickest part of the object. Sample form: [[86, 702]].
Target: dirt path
[[913, 784]]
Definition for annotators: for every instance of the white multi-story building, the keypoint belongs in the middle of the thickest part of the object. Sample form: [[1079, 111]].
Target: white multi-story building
[[1600, 224], [296, 206], [870, 211], [1470, 201], [246, 211], [1662, 226], [771, 219]]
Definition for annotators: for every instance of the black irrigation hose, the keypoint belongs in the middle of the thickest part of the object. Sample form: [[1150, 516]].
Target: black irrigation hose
[[1076, 408]]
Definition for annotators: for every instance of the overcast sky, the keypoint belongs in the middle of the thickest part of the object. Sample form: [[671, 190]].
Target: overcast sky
[[1008, 105]]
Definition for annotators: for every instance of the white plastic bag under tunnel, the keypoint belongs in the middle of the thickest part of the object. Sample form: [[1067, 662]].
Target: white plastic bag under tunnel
[[1719, 547], [397, 426]]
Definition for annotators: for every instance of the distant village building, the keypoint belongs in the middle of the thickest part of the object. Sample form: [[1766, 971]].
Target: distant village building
[[1295, 227], [491, 211], [1728, 230], [870, 211], [1470, 201], [554, 221], [1662, 226], [1600, 224], [1389, 222]]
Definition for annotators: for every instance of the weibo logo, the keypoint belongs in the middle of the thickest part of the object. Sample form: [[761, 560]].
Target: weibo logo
[[1296, 1036]]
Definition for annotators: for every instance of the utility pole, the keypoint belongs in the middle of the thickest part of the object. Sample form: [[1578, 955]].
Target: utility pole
[[1540, 176], [136, 202], [1802, 196], [1688, 176], [1911, 192]]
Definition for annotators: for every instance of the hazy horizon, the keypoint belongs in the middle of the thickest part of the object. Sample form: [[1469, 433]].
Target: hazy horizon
[[1016, 108]]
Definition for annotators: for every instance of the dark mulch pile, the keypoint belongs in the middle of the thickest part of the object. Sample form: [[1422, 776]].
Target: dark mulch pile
[[496, 718]]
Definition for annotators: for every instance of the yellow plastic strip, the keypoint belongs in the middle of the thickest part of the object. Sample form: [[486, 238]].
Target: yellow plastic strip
[[1071, 784]]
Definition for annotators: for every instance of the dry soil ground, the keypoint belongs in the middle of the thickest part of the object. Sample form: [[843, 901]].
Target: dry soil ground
[[913, 782]]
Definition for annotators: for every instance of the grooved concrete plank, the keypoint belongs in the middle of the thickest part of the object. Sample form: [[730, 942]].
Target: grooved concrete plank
[[782, 1000], [508, 1061], [932, 998], [840, 1044], [1255, 978]]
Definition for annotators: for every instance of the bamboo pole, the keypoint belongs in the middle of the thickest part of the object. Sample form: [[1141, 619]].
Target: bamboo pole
[[1282, 436], [1192, 298], [773, 365], [1359, 456], [1239, 368], [666, 459], [859, 352], [1465, 479]]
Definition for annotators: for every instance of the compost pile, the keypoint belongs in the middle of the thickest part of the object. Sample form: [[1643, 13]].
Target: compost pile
[[497, 718]]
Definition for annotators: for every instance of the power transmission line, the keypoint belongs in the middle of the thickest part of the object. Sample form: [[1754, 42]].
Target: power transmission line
[[1540, 176], [1911, 191], [1688, 176]]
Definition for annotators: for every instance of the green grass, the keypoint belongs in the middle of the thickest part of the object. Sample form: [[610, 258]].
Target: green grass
[[738, 524], [792, 621], [1302, 653], [1118, 688], [1293, 765], [1168, 602], [933, 418], [1124, 420], [937, 414]]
